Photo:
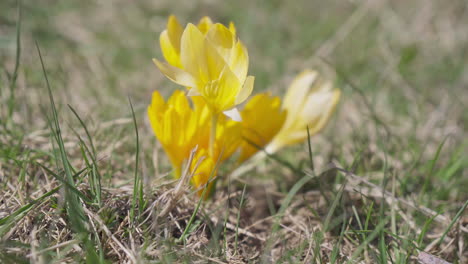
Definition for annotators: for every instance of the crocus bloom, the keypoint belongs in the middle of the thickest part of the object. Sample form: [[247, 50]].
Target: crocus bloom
[[169, 39], [176, 125], [209, 60], [204, 171], [309, 102], [180, 128], [262, 118]]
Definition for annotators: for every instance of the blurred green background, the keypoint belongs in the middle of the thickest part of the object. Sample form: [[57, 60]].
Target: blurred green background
[[401, 66]]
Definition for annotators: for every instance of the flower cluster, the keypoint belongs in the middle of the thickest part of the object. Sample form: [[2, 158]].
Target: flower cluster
[[211, 62]]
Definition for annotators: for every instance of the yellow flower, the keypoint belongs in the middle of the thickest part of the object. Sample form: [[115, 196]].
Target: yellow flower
[[180, 128], [176, 126], [204, 169], [209, 60], [309, 102], [228, 132], [262, 118]]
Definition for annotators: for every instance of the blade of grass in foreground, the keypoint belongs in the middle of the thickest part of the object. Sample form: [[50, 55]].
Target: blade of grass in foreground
[[138, 183], [75, 210], [284, 205], [327, 225], [94, 175], [74, 207], [238, 219], [458, 215], [200, 200], [312, 168], [380, 226], [11, 100], [431, 169], [336, 247]]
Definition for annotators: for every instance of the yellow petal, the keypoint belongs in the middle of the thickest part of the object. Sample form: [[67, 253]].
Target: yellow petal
[[174, 30], [205, 24], [216, 64], [316, 102], [232, 28], [170, 52], [246, 90], [298, 90], [228, 138], [329, 106], [179, 102], [204, 171], [239, 61], [220, 95], [199, 57], [175, 74], [198, 101], [262, 118], [222, 40], [157, 103], [310, 103], [193, 54]]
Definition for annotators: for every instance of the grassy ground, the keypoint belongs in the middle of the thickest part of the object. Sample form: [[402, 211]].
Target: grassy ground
[[82, 177]]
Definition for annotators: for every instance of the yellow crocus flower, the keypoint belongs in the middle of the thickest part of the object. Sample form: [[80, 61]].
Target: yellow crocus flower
[[203, 168], [209, 60], [262, 118], [176, 126], [169, 39], [228, 132], [180, 128], [309, 102]]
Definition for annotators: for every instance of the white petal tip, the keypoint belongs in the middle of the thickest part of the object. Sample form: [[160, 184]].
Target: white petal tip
[[193, 92], [233, 114]]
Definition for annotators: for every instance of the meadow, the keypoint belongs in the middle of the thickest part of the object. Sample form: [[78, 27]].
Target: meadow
[[83, 178]]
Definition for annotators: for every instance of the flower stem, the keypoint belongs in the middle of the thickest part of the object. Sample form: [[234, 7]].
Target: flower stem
[[214, 120]]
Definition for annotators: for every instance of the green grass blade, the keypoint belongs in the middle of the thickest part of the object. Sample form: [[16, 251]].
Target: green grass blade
[[11, 100], [380, 226], [74, 207], [85, 129], [66, 183], [94, 175], [238, 218], [309, 145], [431, 168], [200, 200], [137, 190], [458, 215]]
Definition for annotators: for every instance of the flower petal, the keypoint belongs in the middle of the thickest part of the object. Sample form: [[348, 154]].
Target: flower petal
[[193, 54], [222, 40], [317, 102], [246, 90], [174, 32], [262, 118], [233, 114], [298, 90], [205, 24], [325, 106], [175, 74], [239, 61], [232, 28], [193, 92], [169, 51], [224, 92]]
